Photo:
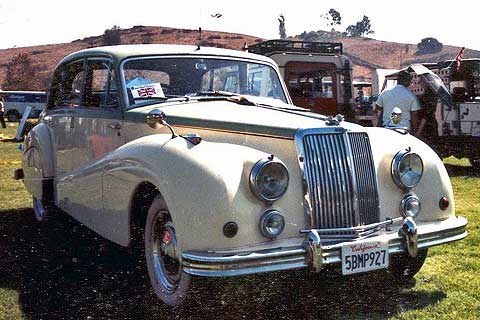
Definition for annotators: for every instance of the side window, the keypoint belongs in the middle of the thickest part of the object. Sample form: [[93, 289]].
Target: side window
[[100, 88], [67, 89]]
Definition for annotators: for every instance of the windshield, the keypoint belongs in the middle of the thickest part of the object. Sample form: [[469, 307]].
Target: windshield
[[153, 79]]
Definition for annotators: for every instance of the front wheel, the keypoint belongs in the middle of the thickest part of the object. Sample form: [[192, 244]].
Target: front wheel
[[13, 116], [163, 256], [475, 162], [404, 268]]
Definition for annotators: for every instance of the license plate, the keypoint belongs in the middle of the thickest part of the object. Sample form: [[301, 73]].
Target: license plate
[[364, 256]]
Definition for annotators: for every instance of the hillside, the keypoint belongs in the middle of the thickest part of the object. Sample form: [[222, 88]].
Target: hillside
[[46, 57], [366, 54]]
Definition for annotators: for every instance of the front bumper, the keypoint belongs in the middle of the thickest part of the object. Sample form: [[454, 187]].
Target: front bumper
[[214, 264]]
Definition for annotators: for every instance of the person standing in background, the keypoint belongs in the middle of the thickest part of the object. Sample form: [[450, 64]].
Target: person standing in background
[[2, 112], [428, 126], [400, 96]]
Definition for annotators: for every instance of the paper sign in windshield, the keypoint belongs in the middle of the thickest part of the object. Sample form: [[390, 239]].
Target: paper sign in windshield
[[147, 91]]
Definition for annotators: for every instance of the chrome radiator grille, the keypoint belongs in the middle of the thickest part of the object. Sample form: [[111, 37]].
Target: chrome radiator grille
[[341, 180]]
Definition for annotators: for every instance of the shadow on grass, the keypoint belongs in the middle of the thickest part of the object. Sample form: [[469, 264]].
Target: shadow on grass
[[462, 171], [10, 140], [65, 271]]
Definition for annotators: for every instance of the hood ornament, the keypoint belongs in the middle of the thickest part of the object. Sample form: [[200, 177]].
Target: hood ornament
[[334, 121]]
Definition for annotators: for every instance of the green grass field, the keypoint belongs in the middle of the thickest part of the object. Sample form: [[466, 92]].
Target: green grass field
[[60, 273]]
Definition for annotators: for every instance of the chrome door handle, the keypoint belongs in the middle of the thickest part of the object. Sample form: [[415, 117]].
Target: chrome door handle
[[115, 126]]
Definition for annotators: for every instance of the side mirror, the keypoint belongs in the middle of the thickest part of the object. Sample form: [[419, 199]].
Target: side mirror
[[156, 117]]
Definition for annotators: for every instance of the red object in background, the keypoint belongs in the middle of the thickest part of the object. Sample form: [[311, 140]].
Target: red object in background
[[313, 85]]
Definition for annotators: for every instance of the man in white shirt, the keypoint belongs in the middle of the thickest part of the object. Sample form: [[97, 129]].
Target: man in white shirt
[[400, 96]]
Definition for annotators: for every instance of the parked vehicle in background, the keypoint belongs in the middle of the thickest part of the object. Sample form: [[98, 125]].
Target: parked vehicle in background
[[145, 146], [17, 101], [456, 115], [318, 75], [364, 101]]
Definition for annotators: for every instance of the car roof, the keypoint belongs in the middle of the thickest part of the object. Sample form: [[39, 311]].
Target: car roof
[[121, 52]]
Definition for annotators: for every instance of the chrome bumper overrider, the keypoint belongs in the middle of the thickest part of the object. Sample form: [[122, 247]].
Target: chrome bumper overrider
[[408, 237]]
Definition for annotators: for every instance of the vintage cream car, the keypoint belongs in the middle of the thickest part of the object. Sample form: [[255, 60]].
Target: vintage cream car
[[199, 155]]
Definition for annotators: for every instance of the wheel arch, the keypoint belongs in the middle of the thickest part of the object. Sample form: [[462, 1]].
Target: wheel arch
[[140, 201], [39, 138]]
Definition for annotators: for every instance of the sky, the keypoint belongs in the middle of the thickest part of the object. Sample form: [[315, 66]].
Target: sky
[[35, 22]]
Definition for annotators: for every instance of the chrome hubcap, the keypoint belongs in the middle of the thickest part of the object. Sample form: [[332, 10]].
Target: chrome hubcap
[[166, 264]]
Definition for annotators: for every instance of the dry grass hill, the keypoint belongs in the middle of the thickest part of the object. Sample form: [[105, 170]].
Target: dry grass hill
[[366, 54]]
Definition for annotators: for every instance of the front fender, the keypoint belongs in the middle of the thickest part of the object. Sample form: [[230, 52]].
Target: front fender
[[204, 187], [434, 184], [38, 159]]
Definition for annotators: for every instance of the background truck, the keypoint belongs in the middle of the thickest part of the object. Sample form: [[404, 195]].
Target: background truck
[[16, 102], [318, 75], [456, 115]]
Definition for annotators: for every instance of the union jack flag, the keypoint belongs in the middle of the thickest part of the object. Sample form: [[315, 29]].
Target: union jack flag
[[459, 57], [146, 92]]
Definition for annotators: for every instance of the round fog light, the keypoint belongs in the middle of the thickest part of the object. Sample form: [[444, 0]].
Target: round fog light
[[410, 206], [272, 224]]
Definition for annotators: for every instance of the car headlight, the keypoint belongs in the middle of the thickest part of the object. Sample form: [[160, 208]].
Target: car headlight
[[410, 206], [272, 224], [269, 179], [407, 169]]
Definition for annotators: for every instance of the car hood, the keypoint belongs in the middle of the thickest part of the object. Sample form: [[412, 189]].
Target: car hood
[[230, 116]]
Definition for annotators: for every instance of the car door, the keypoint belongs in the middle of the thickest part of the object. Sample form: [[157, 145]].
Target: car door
[[65, 96], [98, 132]]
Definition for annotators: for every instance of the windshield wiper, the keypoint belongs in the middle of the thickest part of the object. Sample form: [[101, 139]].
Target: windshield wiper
[[216, 93], [226, 96]]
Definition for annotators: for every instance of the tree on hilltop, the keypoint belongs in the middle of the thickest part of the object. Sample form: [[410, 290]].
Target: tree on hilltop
[[281, 27], [361, 28], [429, 45], [111, 37], [333, 18]]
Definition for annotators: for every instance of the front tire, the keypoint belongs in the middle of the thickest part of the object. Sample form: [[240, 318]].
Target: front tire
[[475, 162], [163, 256], [13, 116], [404, 268]]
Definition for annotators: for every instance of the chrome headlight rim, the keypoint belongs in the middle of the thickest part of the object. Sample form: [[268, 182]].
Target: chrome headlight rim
[[263, 227], [254, 178], [407, 200], [395, 168]]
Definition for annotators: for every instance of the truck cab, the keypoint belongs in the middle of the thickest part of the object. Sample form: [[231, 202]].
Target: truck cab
[[318, 75]]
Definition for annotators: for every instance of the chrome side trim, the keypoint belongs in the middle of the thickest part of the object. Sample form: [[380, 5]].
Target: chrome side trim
[[283, 258]]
